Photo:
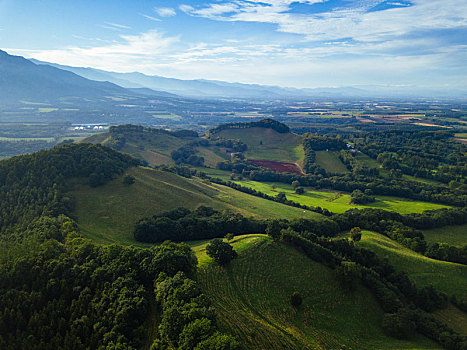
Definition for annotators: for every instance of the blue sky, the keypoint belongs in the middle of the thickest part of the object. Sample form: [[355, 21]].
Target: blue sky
[[306, 43]]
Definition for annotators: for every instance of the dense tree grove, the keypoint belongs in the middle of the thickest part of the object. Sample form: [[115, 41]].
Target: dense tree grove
[[222, 252], [34, 185], [203, 223], [358, 197], [264, 123], [187, 155], [427, 154], [59, 291], [188, 320]]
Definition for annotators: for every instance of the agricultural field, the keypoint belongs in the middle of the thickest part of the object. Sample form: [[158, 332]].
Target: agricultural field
[[282, 167], [107, 213], [251, 299], [268, 144], [333, 201], [330, 162], [454, 235], [446, 277]]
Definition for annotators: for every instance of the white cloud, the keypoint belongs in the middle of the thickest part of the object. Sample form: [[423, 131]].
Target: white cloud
[[114, 26], [165, 11], [151, 18], [131, 53]]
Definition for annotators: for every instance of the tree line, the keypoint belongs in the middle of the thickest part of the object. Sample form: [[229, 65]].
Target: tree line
[[264, 123]]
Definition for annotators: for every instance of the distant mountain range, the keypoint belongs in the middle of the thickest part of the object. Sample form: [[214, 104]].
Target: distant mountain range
[[23, 80], [32, 80], [202, 88]]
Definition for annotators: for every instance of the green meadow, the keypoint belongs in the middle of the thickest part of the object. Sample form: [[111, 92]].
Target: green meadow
[[107, 213], [251, 299], [330, 162], [447, 277], [268, 144], [333, 201]]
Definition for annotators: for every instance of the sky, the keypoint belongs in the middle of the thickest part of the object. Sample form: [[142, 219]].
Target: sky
[[305, 43]]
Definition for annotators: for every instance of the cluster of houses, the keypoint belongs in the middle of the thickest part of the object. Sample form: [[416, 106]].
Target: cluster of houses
[[87, 127]]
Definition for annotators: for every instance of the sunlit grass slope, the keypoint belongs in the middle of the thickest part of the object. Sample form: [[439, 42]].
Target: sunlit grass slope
[[268, 144], [108, 213], [251, 298], [330, 162], [446, 277], [333, 201], [455, 235], [153, 148]]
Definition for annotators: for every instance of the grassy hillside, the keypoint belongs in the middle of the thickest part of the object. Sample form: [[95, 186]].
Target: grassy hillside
[[251, 298], [333, 201], [330, 162], [455, 235], [107, 213], [447, 277], [153, 148], [268, 144]]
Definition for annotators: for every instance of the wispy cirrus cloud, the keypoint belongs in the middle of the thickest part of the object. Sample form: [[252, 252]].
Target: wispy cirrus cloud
[[165, 11], [114, 26]]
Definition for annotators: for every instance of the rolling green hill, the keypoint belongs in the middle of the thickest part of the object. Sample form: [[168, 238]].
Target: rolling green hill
[[153, 148], [264, 143], [251, 299], [446, 277], [107, 213]]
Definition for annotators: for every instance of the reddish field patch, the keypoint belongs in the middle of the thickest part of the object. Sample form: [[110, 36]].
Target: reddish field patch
[[282, 167]]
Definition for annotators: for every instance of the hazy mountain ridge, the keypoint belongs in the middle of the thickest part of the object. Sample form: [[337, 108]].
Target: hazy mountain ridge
[[204, 88], [23, 80]]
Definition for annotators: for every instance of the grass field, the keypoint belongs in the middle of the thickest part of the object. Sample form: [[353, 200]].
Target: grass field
[[268, 144], [251, 299], [211, 156], [108, 213], [447, 277], [155, 148], [330, 162], [333, 201], [455, 235]]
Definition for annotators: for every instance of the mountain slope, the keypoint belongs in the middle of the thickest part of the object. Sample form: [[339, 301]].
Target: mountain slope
[[21, 79]]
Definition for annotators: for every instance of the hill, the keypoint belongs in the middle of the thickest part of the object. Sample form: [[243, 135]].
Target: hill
[[445, 276], [22, 80], [108, 213], [251, 298], [267, 144], [151, 145]]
